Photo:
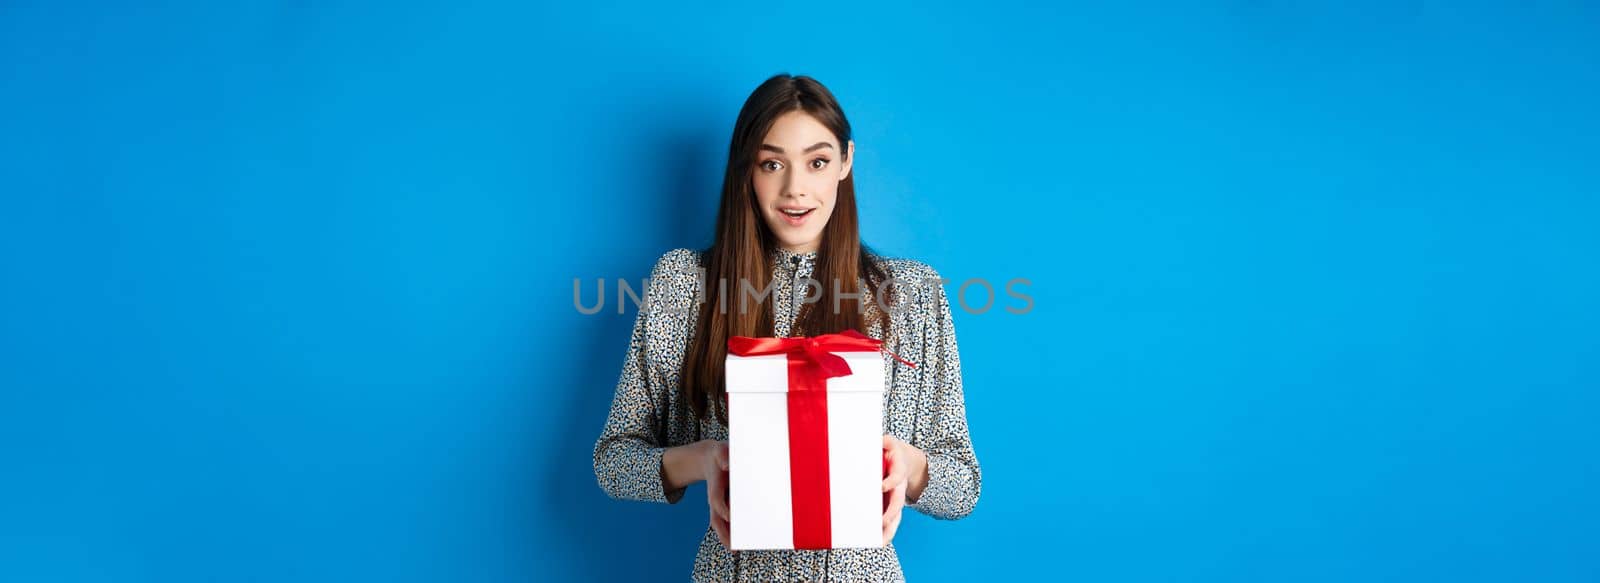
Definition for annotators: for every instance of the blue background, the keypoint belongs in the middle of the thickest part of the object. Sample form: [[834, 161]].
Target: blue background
[[287, 287]]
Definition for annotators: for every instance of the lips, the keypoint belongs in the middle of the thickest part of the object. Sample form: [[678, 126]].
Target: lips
[[795, 215]]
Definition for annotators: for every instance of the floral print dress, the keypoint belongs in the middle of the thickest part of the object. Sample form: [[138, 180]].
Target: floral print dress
[[923, 406]]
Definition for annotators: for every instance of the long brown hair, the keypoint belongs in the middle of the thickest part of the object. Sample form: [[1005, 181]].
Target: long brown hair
[[743, 247]]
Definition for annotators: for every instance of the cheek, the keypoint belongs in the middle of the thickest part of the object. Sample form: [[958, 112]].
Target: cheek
[[827, 189], [767, 189]]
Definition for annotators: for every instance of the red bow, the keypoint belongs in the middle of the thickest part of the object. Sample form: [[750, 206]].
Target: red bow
[[818, 350]]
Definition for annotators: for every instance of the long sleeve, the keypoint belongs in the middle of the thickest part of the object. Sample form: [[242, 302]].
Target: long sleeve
[[954, 480], [627, 456]]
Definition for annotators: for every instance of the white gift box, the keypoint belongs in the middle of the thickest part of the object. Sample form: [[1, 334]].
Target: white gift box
[[760, 488]]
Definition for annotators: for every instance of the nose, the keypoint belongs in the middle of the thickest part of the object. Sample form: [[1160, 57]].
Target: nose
[[791, 185]]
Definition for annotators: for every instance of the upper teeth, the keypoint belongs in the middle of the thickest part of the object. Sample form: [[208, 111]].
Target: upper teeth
[[795, 212]]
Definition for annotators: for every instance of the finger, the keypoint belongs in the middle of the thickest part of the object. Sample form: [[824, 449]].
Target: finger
[[892, 516], [899, 472], [890, 530], [717, 497], [722, 455], [897, 503], [897, 476], [719, 507], [720, 526]]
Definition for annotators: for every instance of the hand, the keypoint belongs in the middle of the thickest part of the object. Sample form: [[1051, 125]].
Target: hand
[[907, 473], [714, 466]]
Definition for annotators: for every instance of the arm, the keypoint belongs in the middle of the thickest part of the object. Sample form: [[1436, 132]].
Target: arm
[[950, 486], [630, 462]]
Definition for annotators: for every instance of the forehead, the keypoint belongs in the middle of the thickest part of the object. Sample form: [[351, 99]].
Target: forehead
[[797, 129]]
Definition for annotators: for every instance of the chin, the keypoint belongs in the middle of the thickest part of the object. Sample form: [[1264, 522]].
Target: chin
[[790, 242]]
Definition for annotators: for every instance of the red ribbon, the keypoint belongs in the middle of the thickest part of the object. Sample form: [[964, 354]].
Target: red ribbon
[[811, 363]]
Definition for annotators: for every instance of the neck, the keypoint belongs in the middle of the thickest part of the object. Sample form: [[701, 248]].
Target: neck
[[800, 249]]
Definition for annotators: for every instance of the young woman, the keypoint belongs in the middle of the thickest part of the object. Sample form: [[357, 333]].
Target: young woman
[[787, 220]]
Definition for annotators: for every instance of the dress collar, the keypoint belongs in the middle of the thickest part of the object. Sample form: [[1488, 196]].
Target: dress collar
[[785, 261]]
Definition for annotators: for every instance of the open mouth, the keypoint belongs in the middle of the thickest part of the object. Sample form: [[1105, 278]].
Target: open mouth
[[796, 216]]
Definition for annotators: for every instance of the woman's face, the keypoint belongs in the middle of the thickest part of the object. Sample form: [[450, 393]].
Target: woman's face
[[798, 169]]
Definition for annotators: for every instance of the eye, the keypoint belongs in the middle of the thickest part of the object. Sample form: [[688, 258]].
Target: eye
[[771, 166], [819, 163]]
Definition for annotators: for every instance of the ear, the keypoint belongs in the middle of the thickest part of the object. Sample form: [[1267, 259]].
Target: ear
[[849, 159]]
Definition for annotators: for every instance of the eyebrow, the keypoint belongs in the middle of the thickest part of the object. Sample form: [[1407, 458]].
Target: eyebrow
[[816, 146]]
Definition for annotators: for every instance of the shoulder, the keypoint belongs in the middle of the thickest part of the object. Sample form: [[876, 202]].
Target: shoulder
[[675, 279], [907, 270], [677, 263], [910, 282]]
